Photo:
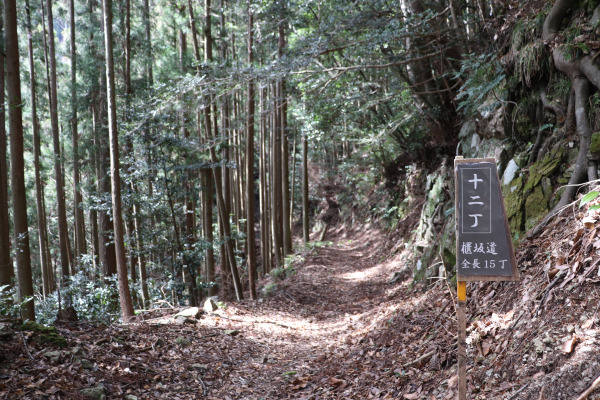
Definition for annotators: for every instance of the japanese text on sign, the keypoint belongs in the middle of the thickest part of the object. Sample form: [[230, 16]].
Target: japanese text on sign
[[484, 246], [476, 198]]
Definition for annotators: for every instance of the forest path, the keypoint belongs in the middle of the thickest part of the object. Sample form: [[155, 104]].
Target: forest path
[[320, 335], [314, 323]]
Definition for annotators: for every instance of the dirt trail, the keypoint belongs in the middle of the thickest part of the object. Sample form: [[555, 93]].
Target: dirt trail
[[308, 340], [336, 329], [304, 333]]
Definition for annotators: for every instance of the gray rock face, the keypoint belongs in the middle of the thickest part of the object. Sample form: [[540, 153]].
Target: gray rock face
[[210, 305], [96, 393], [192, 312], [509, 172]]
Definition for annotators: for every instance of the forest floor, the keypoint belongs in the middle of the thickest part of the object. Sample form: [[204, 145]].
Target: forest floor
[[337, 329]]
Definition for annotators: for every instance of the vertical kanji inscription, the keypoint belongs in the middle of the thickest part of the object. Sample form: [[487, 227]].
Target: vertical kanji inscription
[[483, 246]]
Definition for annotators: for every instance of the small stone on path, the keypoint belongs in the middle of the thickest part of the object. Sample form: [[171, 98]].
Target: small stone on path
[[96, 393]]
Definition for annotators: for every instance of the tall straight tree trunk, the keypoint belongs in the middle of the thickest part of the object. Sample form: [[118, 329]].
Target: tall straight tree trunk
[[41, 219], [128, 147], [60, 191], [276, 217], [305, 223], [221, 207], [124, 294], [265, 249], [6, 265], [227, 151], [139, 241], [106, 243], [293, 183], [92, 92], [285, 173], [148, 45], [205, 177], [80, 245], [17, 169], [250, 234]]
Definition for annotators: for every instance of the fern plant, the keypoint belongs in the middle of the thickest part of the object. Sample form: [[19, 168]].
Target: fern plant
[[481, 74]]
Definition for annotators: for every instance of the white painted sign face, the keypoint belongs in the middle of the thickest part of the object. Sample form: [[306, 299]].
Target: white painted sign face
[[483, 244]]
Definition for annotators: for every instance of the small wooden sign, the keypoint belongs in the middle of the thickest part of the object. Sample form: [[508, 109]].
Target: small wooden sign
[[484, 250]]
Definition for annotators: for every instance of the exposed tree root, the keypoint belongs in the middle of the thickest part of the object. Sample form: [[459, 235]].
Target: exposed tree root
[[581, 73]]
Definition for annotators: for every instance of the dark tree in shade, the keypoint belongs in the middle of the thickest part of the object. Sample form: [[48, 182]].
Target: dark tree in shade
[[124, 294], [17, 170], [6, 266]]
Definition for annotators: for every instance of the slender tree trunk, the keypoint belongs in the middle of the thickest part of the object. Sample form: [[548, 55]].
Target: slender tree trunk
[[148, 45], [207, 196], [17, 169], [276, 228], [208, 174], [265, 249], [221, 207], [60, 191], [293, 183], [226, 171], [128, 146], [108, 257], [285, 179], [305, 222], [250, 234], [6, 264], [45, 265], [80, 245], [141, 256], [124, 294]]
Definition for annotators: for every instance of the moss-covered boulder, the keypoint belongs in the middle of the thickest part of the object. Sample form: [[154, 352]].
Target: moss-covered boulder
[[435, 196], [513, 202], [46, 334], [595, 145], [536, 207], [544, 168]]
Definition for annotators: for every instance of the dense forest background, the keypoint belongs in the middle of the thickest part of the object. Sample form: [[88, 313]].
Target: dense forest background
[[165, 151]]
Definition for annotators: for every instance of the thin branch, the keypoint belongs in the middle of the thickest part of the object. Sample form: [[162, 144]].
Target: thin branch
[[590, 389], [370, 66]]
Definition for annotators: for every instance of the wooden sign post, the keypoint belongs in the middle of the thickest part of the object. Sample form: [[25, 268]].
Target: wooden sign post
[[484, 250]]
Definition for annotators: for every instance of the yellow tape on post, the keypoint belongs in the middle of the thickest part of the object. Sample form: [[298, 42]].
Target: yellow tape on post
[[461, 290]]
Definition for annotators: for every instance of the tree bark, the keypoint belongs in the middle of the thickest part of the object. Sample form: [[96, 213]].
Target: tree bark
[[221, 206], [60, 191], [285, 179], [581, 88], [124, 294], [47, 280], [80, 245], [305, 223], [106, 234], [6, 264], [250, 233], [17, 169]]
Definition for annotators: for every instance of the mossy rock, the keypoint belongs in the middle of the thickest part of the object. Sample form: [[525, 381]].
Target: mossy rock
[[448, 259], [572, 155], [513, 197], [595, 145], [48, 334], [53, 338], [543, 168], [536, 207], [35, 327], [435, 195], [513, 202]]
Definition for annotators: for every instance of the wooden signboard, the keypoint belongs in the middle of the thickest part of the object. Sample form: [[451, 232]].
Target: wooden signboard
[[484, 250]]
